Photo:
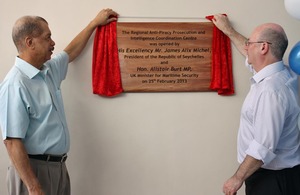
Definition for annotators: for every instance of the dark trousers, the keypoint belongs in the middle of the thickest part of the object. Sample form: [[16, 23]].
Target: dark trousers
[[274, 182]]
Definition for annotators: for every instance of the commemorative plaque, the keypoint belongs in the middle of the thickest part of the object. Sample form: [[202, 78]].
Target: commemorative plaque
[[157, 57]]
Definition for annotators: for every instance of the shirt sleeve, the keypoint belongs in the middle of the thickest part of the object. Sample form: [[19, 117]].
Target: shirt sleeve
[[59, 66], [269, 117], [14, 111]]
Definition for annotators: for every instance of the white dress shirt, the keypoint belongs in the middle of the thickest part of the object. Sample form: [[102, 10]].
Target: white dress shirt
[[269, 119]]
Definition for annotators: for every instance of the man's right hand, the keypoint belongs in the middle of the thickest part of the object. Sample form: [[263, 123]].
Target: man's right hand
[[221, 21]]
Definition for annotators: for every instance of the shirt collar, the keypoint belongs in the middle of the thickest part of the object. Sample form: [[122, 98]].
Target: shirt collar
[[26, 68], [267, 71]]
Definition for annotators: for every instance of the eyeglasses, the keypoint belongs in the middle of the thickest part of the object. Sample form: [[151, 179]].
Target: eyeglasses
[[247, 42]]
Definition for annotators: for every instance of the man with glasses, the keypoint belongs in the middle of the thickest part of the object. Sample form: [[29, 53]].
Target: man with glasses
[[268, 137]]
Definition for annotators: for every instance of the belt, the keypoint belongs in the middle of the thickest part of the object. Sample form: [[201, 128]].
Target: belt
[[48, 157]]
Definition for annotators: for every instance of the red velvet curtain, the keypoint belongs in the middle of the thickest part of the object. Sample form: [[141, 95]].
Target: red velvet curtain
[[221, 69], [105, 65], [106, 68]]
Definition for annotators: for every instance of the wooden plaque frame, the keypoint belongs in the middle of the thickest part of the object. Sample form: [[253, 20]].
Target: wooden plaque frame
[[160, 56]]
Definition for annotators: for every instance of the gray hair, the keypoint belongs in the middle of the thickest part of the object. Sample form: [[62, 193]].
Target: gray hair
[[26, 26], [278, 39]]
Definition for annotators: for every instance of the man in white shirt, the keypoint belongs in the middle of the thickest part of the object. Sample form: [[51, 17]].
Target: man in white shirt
[[269, 137]]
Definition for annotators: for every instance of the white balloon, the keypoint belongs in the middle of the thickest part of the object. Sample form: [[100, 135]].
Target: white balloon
[[293, 8]]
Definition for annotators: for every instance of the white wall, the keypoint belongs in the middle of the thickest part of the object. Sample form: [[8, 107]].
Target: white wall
[[144, 143]]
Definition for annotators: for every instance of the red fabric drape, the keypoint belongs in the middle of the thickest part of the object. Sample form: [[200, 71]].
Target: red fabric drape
[[106, 68], [221, 72], [106, 74]]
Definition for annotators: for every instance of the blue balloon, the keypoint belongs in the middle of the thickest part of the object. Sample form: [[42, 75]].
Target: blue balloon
[[294, 58]]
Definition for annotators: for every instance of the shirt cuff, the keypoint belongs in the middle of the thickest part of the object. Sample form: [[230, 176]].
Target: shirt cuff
[[260, 152]]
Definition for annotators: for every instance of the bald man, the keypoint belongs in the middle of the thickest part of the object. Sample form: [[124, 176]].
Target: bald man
[[268, 137], [32, 117]]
